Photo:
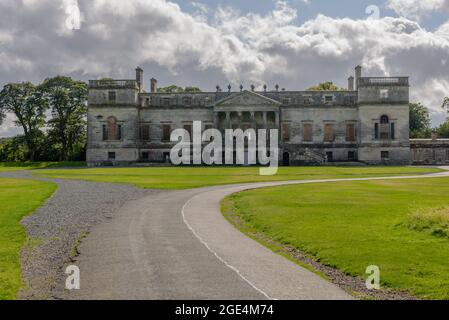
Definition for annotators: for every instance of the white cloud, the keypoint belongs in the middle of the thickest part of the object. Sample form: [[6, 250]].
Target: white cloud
[[417, 9], [116, 36]]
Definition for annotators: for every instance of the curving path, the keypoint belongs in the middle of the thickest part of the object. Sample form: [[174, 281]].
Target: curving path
[[177, 245]]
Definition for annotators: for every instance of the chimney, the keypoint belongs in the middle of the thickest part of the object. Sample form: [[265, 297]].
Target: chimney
[[358, 75], [351, 83], [153, 85], [139, 78]]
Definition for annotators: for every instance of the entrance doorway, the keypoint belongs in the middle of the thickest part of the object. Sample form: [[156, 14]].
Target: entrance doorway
[[286, 159]]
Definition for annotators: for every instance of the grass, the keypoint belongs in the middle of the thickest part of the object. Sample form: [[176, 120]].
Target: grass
[[15, 166], [186, 178], [351, 225], [18, 198]]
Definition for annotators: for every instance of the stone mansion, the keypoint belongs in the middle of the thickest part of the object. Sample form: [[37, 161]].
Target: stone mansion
[[368, 122]]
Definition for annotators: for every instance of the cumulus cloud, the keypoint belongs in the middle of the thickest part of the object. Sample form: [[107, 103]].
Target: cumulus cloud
[[115, 36], [417, 9]]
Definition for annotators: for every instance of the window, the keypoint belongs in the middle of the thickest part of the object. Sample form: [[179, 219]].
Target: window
[[350, 132], [329, 132], [385, 155], [286, 132], [145, 156], [112, 96], [393, 133], [307, 100], [166, 132], [285, 101], [376, 131], [308, 132], [165, 101], [105, 132], [187, 101], [352, 156], [384, 93], [384, 120], [111, 155], [330, 156], [384, 128], [328, 99], [145, 132], [119, 132], [188, 128], [111, 130]]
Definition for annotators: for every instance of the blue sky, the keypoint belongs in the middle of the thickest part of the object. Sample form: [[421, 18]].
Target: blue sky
[[354, 9]]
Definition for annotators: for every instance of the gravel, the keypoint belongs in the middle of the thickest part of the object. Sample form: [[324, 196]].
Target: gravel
[[57, 227]]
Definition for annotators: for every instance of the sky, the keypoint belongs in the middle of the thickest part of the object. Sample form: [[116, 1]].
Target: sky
[[293, 43]]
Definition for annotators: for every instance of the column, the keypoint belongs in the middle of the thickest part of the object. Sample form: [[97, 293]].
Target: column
[[265, 120]]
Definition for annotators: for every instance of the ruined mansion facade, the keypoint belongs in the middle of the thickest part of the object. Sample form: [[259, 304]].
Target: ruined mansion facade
[[368, 122]]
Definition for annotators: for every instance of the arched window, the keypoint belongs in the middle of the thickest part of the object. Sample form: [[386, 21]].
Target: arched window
[[384, 119], [112, 130]]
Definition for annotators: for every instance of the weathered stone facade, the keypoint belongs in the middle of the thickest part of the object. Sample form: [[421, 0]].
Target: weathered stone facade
[[369, 123]]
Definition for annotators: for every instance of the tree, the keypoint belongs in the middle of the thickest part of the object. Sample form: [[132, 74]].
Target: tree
[[446, 102], [67, 99], [325, 86], [443, 130], [26, 102], [176, 89], [419, 121]]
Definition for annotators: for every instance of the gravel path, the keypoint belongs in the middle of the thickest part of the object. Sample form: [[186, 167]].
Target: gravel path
[[59, 225]]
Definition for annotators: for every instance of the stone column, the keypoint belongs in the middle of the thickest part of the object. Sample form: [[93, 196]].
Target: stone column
[[253, 120], [228, 120], [240, 119], [265, 120]]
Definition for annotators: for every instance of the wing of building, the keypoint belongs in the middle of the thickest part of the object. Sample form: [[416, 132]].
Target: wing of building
[[368, 122]]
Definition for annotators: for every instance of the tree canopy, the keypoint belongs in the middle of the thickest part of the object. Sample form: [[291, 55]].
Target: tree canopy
[[419, 121], [27, 103], [176, 89], [67, 99], [325, 86]]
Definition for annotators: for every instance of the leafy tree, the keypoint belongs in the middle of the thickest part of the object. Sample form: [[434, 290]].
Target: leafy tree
[[443, 130], [2, 116], [27, 103], [176, 89], [419, 121], [67, 99], [13, 149], [325, 86]]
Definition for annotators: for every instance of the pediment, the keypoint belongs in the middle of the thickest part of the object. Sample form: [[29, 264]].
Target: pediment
[[247, 98]]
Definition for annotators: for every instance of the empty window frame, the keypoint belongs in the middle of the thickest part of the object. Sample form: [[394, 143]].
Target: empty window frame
[[350, 132], [166, 132], [286, 132], [145, 132], [329, 135], [307, 132], [112, 97]]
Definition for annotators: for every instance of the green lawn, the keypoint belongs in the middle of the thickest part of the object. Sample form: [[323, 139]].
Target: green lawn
[[18, 198], [185, 178], [402, 226], [15, 166]]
